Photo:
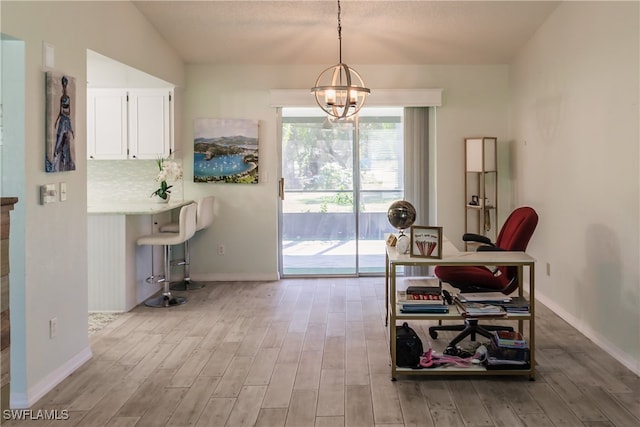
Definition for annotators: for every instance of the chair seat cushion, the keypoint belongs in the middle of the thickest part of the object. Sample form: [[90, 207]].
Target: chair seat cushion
[[172, 227], [472, 278]]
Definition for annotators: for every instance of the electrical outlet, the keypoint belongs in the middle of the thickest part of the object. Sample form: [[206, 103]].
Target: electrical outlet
[[53, 327], [221, 249]]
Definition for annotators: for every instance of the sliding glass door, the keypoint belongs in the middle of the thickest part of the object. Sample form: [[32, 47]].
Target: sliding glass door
[[338, 179]]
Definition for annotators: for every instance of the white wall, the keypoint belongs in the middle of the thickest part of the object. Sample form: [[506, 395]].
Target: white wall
[[575, 103], [575, 123], [55, 237], [475, 103]]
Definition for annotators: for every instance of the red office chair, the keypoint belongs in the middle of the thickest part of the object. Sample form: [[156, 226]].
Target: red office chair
[[514, 236]]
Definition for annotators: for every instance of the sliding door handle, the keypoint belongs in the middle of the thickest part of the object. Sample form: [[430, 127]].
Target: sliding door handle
[[281, 189]]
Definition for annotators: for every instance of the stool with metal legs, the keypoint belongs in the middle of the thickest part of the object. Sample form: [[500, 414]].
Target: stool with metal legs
[[204, 218], [187, 228]]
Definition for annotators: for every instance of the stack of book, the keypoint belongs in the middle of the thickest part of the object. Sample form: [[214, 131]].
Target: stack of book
[[479, 309], [509, 339], [422, 299], [508, 350], [516, 305]]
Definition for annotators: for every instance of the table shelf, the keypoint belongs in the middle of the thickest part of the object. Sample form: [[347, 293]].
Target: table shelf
[[451, 256]]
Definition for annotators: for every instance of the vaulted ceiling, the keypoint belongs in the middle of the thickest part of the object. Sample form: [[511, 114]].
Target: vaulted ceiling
[[373, 32]]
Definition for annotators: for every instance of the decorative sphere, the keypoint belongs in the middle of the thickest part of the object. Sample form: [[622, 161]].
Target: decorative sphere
[[401, 214]]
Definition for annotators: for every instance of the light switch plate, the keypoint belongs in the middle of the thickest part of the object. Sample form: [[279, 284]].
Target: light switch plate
[[48, 55], [63, 191], [48, 193]]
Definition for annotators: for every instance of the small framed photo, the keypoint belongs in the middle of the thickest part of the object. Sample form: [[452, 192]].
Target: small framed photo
[[426, 242]]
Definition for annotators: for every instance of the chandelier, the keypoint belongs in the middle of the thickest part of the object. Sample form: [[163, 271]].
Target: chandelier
[[339, 90]]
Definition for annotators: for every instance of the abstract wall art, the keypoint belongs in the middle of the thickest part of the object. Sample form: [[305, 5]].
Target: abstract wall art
[[60, 113]]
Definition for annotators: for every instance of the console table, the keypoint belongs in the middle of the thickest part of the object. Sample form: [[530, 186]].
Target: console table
[[452, 257]]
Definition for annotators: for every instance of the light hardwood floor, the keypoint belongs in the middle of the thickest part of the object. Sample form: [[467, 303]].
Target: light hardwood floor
[[314, 352]]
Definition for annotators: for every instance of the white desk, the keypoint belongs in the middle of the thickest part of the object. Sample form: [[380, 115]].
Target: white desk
[[117, 266], [452, 257]]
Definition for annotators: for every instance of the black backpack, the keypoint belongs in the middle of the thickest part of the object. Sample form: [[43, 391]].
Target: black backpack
[[408, 347]]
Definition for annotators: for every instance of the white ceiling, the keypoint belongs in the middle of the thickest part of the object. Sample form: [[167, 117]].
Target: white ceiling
[[373, 32]]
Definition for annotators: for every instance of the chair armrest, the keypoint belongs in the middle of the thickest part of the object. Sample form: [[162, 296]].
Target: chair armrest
[[472, 237]]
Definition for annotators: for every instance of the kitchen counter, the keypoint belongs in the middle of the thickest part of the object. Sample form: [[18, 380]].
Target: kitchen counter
[[117, 266], [134, 208]]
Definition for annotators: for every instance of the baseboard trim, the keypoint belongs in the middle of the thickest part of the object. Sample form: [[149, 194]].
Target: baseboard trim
[[235, 277], [35, 393], [626, 359]]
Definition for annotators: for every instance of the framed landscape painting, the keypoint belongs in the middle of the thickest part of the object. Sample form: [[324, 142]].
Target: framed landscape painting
[[226, 151], [60, 153]]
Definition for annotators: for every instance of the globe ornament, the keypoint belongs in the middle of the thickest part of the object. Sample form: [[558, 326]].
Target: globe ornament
[[402, 215]]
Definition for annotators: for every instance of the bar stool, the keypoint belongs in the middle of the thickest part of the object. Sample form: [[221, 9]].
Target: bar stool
[[204, 219], [186, 230]]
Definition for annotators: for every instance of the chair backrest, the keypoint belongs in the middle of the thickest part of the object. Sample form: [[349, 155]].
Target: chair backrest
[[187, 221], [205, 215], [517, 229], [514, 236]]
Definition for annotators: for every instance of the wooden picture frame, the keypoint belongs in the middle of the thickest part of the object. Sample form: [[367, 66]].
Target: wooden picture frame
[[426, 242]]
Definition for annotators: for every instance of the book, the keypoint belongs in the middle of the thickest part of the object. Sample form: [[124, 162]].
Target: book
[[422, 285], [483, 297], [509, 339], [423, 290], [429, 281], [424, 308], [517, 304], [419, 299], [477, 309]]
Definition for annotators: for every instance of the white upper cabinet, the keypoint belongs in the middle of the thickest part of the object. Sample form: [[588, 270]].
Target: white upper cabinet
[[129, 123], [107, 124], [149, 124]]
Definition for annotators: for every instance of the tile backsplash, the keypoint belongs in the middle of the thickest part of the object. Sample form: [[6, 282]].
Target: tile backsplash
[[125, 180]]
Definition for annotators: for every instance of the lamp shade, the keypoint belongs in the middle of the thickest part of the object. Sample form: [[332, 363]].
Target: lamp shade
[[481, 154]]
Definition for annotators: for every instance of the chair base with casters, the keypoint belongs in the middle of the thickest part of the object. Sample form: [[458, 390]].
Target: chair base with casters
[[187, 226], [471, 328], [204, 218]]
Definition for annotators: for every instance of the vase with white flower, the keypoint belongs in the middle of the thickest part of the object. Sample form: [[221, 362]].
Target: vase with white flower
[[169, 169]]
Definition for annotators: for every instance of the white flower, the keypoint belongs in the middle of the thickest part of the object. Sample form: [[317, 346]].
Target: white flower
[[169, 169]]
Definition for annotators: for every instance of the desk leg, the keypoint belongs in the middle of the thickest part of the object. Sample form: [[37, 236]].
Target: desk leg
[[532, 323], [386, 288], [391, 308]]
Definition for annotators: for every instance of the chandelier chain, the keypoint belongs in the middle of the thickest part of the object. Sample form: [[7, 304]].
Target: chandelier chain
[[339, 33]]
